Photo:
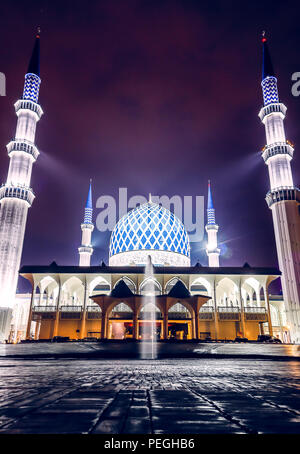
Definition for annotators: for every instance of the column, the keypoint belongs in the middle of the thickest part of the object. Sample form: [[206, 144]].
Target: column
[[104, 324], [135, 325], [241, 303], [280, 323], [83, 315], [197, 325], [214, 298], [193, 326], [30, 311], [268, 310], [56, 321], [165, 324]]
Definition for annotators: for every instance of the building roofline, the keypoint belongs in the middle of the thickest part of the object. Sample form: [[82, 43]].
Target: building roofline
[[103, 269]]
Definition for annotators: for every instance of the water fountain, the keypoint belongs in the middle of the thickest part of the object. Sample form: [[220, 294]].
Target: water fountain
[[149, 335]]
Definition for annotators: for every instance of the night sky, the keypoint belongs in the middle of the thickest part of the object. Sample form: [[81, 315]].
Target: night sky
[[155, 96]]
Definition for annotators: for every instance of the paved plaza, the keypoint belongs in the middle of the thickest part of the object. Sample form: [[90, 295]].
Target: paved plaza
[[204, 395]]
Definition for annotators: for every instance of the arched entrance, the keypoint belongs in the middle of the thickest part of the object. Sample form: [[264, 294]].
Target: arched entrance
[[120, 323], [179, 322]]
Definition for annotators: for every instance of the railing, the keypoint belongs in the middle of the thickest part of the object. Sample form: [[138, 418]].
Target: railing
[[173, 315], [207, 309], [207, 313], [256, 314], [230, 313], [44, 308], [229, 309], [93, 309], [70, 309], [255, 310]]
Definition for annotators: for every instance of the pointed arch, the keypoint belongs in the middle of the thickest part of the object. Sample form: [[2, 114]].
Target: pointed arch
[[171, 282], [129, 282], [200, 284], [150, 285]]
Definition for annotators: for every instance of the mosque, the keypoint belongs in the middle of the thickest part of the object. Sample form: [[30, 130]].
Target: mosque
[[192, 301]]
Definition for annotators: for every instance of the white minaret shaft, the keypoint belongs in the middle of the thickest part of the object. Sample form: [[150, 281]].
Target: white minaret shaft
[[212, 228], [283, 198], [16, 196], [86, 250]]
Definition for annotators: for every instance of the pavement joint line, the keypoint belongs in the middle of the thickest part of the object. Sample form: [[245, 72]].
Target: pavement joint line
[[34, 409], [226, 415], [149, 404], [127, 413], [266, 401], [101, 411], [105, 409]]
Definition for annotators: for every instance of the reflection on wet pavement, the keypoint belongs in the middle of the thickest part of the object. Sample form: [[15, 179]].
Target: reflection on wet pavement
[[204, 395]]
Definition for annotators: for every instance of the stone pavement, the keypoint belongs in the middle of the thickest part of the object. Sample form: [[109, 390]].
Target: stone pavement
[[179, 396]]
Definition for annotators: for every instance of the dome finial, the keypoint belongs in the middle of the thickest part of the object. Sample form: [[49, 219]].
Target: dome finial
[[150, 198]]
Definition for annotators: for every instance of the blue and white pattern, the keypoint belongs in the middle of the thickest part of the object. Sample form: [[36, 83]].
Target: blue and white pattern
[[31, 87], [88, 216], [270, 91], [211, 216], [149, 227], [88, 211]]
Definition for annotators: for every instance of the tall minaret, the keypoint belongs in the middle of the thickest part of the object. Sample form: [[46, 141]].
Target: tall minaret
[[16, 196], [283, 198], [86, 250], [212, 228]]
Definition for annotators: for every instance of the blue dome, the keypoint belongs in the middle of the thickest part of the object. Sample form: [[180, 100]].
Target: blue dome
[[149, 227]]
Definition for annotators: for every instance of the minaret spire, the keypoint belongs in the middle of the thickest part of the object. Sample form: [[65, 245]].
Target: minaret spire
[[283, 198], [86, 250], [212, 228], [16, 196], [267, 65], [34, 63]]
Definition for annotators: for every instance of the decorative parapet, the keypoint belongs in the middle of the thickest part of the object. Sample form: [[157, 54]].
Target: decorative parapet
[[277, 148], [86, 249], [23, 146], [23, 104], [272, 108], [281, 194], [20, 192]]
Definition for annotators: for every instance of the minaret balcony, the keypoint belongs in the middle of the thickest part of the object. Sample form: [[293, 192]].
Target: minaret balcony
[[213, 251], [211, 227], [282, 194], [272, 108], [20, 192], [23, 146], [277, 148], [85, 249], [24, 104], [87, 226]]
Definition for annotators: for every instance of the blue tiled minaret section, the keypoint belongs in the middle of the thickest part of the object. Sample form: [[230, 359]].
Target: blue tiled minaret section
[[88, 211], [210, 208], [32, 77], [31, 87], [269, 81]]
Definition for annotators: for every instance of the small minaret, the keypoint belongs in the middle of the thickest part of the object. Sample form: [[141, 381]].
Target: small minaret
[[212, 228], [283, 198], [16, 196], [86, 250]]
